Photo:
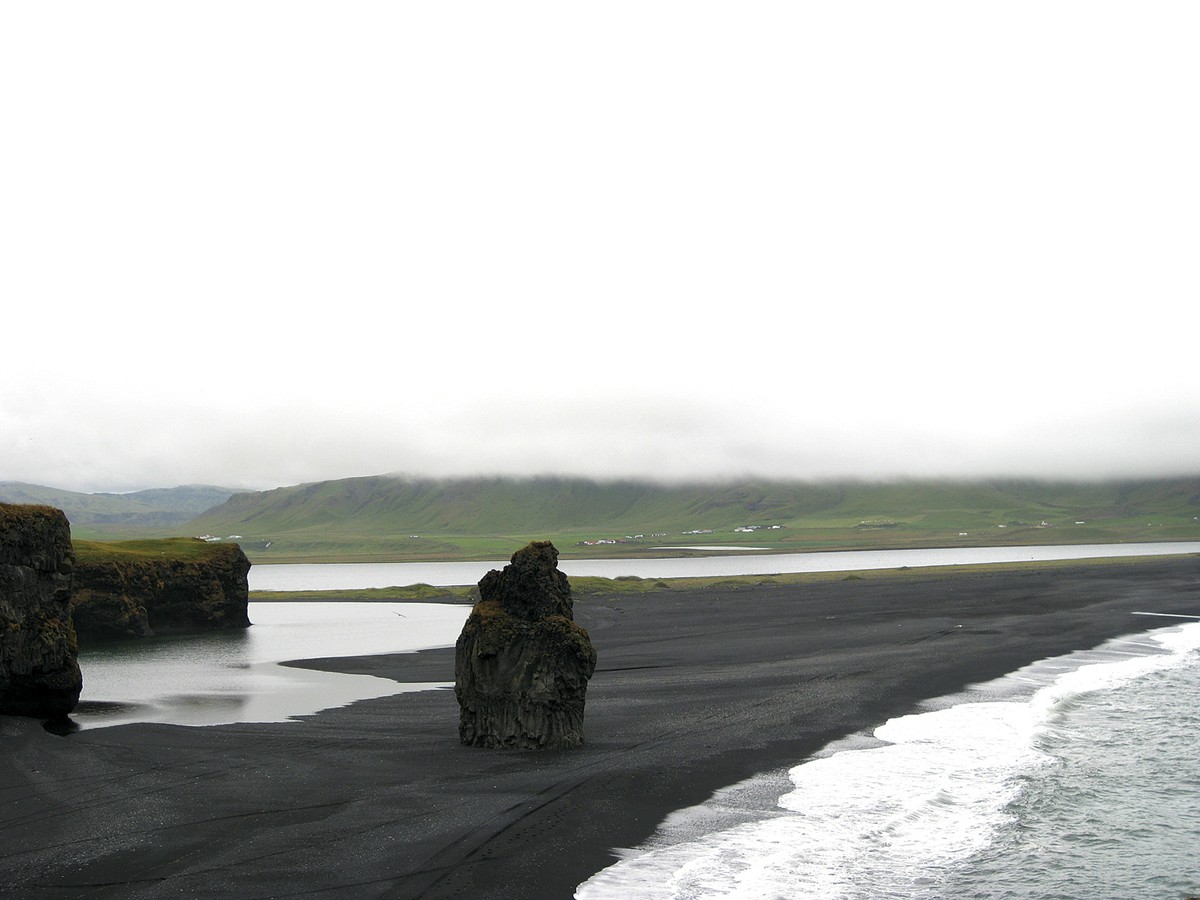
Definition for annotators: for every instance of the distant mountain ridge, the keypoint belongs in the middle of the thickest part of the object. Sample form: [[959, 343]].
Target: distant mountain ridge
[[387, 515], [153, 509]]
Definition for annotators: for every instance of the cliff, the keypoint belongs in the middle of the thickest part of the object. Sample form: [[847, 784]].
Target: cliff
[[521, 664], [138, 588], [39, 666]]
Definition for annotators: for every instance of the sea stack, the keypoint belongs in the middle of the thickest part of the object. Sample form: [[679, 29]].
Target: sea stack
[[183, 584], [522, 664], [39, 656]]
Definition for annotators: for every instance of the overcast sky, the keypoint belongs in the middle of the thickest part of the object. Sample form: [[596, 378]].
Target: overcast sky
[[261, 243]]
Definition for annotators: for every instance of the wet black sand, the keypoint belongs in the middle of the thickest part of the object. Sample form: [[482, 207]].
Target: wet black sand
[[693, 692]]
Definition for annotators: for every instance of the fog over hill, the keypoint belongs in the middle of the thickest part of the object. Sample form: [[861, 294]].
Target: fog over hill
[[673, 241]]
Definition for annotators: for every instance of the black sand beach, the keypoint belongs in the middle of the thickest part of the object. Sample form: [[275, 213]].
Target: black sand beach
[[694, 691]]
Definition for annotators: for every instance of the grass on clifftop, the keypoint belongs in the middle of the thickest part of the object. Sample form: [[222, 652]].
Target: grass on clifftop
[[189, 549]]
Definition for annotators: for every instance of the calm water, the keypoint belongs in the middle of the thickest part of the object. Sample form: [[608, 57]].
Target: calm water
[[1077, 777], [234, 676], [367, 575]]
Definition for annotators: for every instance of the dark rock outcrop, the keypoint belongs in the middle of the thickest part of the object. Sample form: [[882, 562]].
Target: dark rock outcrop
[[39, 656], [521, 664], [143, 588]]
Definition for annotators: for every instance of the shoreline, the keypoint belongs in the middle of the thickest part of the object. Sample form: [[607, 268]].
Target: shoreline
[[695, 691]]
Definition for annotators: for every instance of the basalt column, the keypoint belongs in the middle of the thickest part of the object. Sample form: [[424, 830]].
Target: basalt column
[[522, 664]]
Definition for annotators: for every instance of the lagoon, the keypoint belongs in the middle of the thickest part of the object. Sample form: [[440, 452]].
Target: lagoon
[[225, 677], [351, 576]]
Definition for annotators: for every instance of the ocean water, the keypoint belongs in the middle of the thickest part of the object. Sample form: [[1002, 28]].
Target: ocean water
[[1075, 777]]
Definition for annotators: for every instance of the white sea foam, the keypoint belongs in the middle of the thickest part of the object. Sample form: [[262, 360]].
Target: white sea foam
[[897, 813]]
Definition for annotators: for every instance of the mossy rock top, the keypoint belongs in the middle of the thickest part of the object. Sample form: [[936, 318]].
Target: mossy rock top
[[530, 586]]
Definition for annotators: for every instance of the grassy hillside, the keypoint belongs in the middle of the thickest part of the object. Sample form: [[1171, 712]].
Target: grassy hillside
[[392, 518], [115, 516]]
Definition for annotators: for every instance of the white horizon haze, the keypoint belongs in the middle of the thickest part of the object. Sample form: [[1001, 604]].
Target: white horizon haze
[[254, 245]]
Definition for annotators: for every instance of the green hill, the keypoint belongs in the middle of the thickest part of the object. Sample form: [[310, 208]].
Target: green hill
[[395, 518]]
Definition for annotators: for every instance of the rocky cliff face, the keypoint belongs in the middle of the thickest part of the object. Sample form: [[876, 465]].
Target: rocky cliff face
[[521, 664], [187, 584], [39, 666]]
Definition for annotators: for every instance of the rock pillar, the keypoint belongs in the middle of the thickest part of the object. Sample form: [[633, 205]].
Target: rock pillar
[[522, 664]]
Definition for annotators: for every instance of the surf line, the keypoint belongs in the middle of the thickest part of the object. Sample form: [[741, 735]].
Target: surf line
[[1168, 615]]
